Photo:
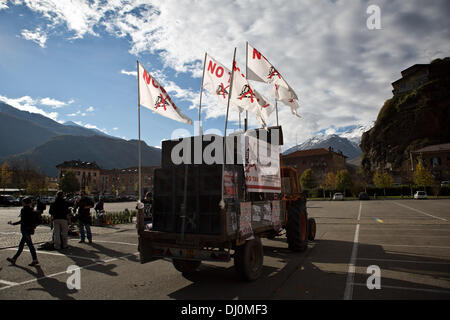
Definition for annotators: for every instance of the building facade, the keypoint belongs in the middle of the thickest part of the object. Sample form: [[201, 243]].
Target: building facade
[[126, 181], [412, 78], [87, 173], [436, 158], [321, 161], [117, 182]]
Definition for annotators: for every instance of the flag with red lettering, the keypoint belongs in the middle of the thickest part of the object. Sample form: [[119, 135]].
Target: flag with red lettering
[[217, 82], [260, 69], [153, 96], [281, 94]]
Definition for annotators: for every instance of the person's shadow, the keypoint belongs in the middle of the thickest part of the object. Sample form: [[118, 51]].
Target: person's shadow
[[51, 285]]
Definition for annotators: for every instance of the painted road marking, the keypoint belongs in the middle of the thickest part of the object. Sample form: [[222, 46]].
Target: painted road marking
[[65, 272], [406, 288], [8, 283], [58, 254], [348, 293], [419, 211]]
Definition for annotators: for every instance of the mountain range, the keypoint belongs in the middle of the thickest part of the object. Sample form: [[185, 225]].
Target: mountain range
[[46, 143], [347, 141]]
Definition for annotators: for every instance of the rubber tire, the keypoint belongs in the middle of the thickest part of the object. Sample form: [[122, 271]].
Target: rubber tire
[[248, 259], [186, 266], [297, 227], [311, 229]]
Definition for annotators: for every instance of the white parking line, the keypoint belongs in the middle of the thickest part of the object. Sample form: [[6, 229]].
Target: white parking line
[[58, 254], [348, 293], [406, 288], [419, 211], [65, 272], [8, 283]]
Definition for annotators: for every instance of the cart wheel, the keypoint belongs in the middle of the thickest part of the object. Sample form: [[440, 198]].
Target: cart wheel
[[296, 228], [186, 266], [248, 259], [311, 229]]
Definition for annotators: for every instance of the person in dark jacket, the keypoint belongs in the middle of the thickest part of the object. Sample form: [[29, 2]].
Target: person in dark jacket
[[40, 206], [100, 211], [59, 210], [27, 225], [84, 204]]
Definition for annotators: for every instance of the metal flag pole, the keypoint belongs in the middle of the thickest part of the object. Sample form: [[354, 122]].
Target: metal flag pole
[[231, 88], [222, 202], [246, 74], [276, 109], [200, 133], [139, 129]]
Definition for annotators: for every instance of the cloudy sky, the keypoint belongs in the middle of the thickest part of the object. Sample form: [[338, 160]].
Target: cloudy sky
[[76, 60]]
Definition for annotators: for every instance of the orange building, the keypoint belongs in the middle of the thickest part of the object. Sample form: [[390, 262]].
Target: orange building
[[321, 161]]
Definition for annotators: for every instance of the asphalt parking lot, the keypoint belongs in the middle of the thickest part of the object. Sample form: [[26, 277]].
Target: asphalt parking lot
[[408, 240]]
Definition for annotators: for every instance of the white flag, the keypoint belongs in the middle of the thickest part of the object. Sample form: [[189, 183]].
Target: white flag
[[281, 93], [260, 69], [217, 81], [153, 96]]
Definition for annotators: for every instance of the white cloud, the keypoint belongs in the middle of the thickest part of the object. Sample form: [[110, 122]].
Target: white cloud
[[129, 73], [90, 126], [3, 4], [38, 36], [74, 114], [115, 128], [90, 109], [340, 70], [26, 103], [55, 103]]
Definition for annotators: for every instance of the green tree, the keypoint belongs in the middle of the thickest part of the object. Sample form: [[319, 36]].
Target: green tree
[[330, 180], [383, 180], [5, 175], [307, 179], [69, 183], [423, 176], [343, 180]]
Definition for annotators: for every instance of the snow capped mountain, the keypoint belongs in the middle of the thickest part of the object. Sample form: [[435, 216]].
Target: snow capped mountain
[[356, 133], [346, 140]]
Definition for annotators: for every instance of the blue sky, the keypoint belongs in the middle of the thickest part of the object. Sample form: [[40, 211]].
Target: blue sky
[[73, 61]]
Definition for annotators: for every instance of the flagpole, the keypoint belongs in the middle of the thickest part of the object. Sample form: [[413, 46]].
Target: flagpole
[[276, 109], [229, 95], [200, 133], [246, 74], [139, 129], [222, 202]]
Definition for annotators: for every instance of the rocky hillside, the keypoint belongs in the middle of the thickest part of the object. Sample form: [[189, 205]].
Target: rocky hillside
[[410, 121]]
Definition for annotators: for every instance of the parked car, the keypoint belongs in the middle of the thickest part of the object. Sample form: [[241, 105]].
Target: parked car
[[445, 184], [420, 195], [338, 196], [8, 200], [363, 196]]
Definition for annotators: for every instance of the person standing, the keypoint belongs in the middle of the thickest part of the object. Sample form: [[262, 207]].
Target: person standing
[[84, 205], [100, 211], [40, 206], [27, 225], [59, 210]]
